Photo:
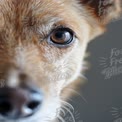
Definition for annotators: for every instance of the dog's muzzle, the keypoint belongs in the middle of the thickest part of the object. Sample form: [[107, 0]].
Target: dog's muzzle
[[17, 103]]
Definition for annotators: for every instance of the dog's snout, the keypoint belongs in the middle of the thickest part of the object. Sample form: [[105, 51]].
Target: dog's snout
[[18, 103]]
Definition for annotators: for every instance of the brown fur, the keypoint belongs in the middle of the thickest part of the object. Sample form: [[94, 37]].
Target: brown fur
[[24, 27]]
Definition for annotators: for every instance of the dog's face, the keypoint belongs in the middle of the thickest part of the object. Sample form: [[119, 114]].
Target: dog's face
[[42, 46]]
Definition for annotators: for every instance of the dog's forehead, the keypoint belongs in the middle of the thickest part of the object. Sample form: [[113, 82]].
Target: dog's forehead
[[30, 7], [14, 9], [15, 14]]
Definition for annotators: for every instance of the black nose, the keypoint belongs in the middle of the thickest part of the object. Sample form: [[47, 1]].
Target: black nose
[[19, 103]]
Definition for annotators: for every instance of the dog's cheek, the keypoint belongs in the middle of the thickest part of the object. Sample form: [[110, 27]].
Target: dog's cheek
[[75, 62]]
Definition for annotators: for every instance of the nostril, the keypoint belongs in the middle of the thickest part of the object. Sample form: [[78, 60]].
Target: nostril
[[33, 105], [35, 101], [5, 107]]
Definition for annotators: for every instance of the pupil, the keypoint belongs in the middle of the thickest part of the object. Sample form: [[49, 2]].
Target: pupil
[[59, 35]]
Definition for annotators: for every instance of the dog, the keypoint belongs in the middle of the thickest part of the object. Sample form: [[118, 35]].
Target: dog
[[42, 50]]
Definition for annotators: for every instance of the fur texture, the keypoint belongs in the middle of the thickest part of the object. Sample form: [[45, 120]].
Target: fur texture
[[24, 28]]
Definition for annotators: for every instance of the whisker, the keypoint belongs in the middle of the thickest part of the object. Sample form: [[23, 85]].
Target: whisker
[[62, 111], [77, 93], [61, 118], [68, 104], [82, 76], [69, 113]]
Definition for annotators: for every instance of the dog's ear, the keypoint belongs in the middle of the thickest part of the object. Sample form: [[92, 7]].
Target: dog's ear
[[103, 10]]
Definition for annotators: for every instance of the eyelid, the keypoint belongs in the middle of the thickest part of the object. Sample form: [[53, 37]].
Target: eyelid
[[62, 27]]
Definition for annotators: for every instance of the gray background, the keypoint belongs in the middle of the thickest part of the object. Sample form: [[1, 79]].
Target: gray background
[[103, 96]]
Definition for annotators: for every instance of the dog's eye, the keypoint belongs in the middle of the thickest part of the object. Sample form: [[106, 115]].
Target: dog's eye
[[62, 36]]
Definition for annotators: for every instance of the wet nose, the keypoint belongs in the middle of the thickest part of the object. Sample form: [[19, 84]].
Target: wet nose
[[19, 103]]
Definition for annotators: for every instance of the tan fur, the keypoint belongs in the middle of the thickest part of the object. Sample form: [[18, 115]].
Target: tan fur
[[24, 26]]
